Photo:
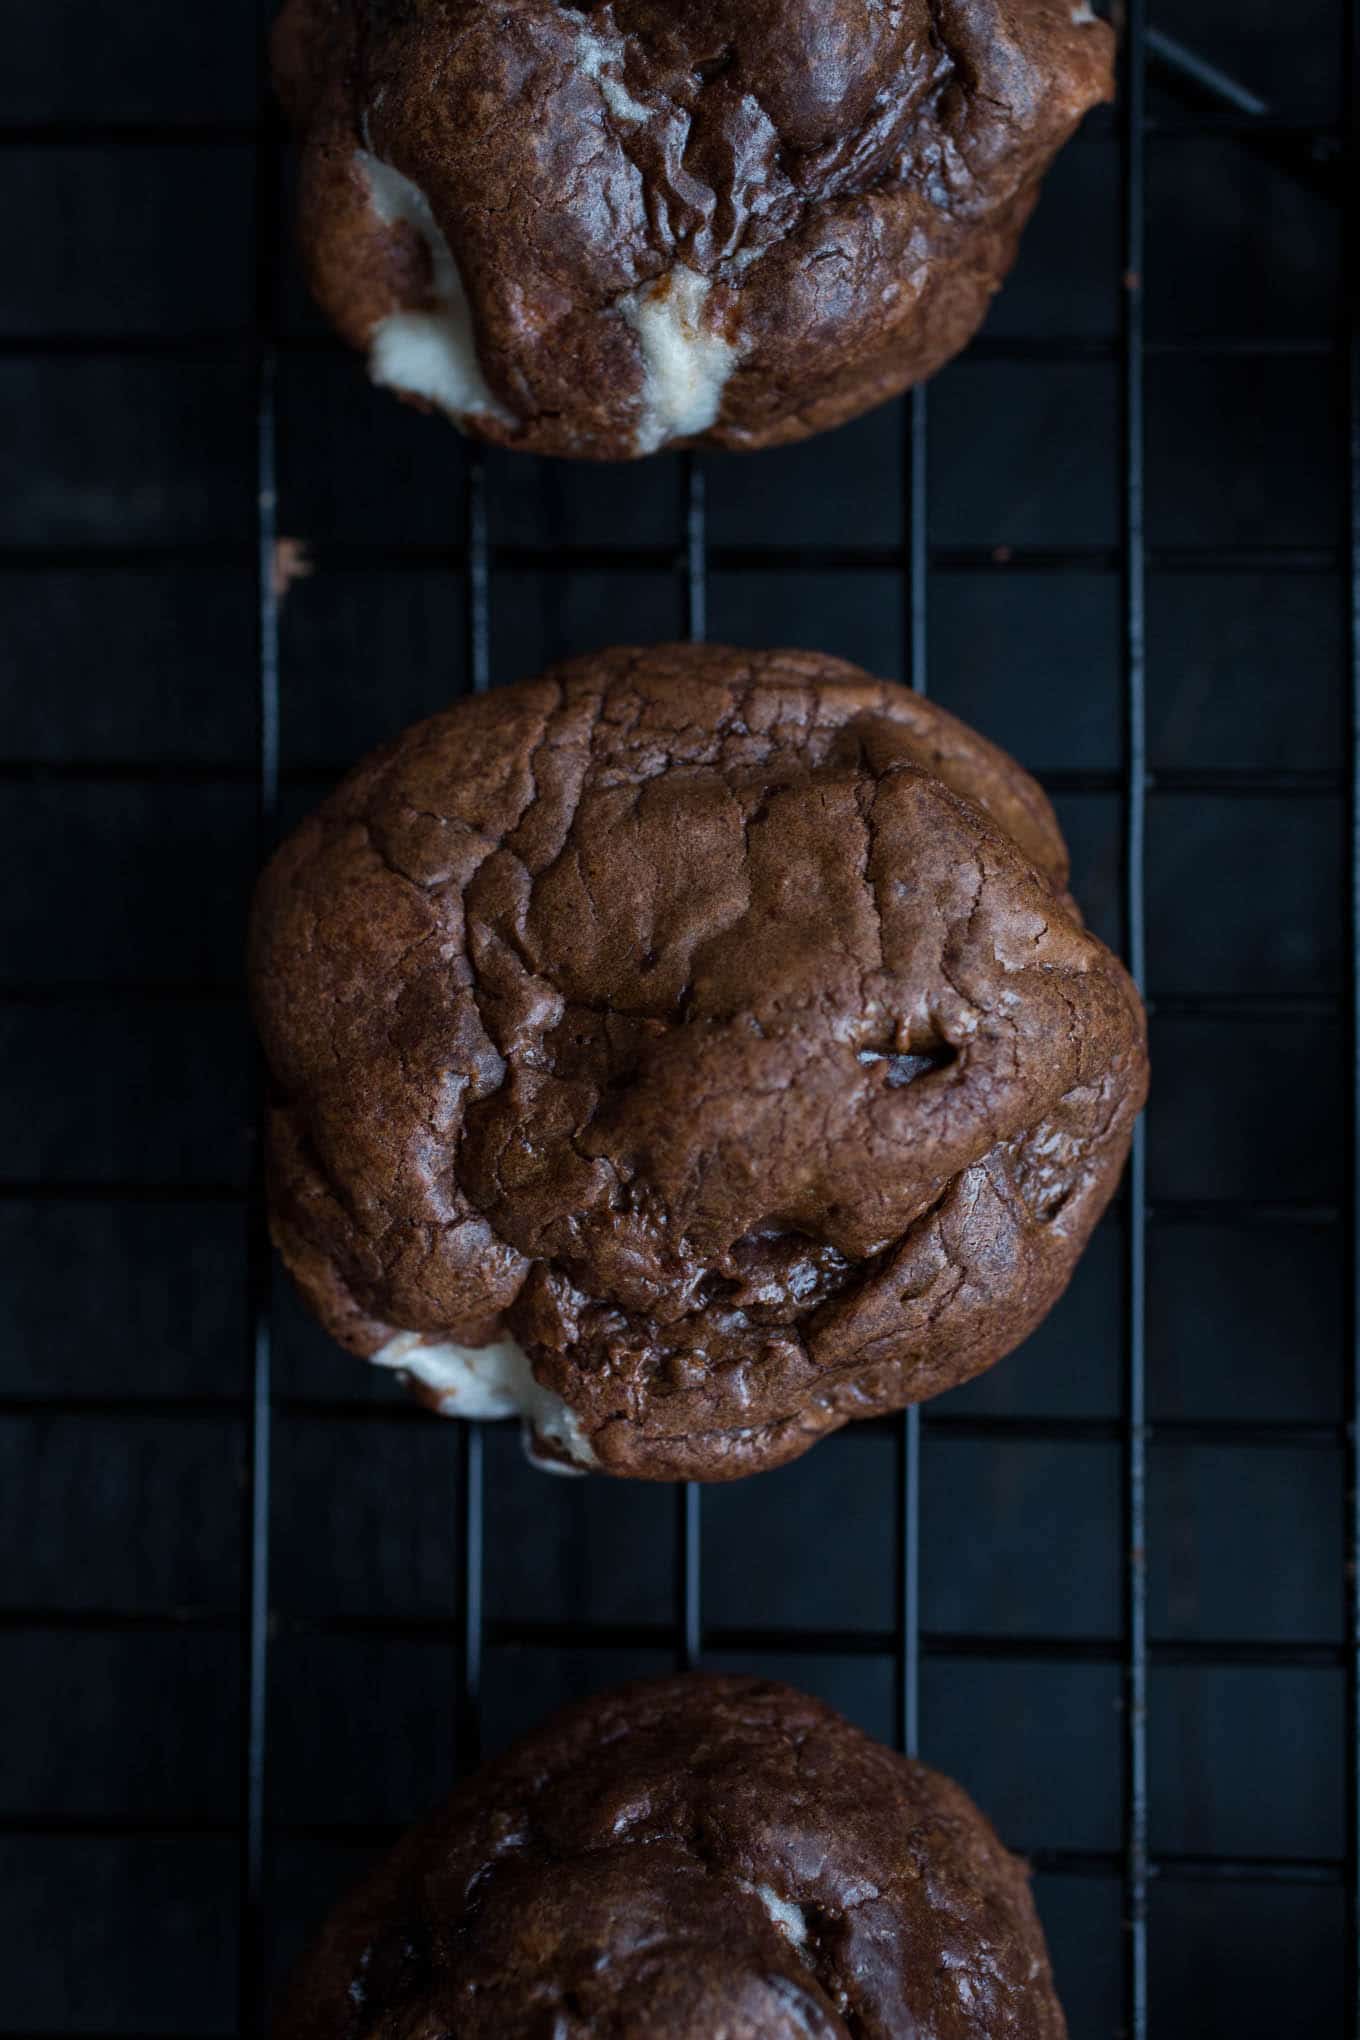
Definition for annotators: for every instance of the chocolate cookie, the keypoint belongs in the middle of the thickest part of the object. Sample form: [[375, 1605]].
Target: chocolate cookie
[[700, 1856], [693, 1049], [602, 229]]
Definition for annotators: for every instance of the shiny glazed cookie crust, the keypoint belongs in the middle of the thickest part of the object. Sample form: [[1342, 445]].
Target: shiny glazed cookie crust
[[713, 1030], [598, 230], [696, 1857]]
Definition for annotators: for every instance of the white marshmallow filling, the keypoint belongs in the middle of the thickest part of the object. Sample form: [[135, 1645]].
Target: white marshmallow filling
[[684, 365], [788, 1917], [427, 354], [601, 61], [489, 1382], [433, 354]]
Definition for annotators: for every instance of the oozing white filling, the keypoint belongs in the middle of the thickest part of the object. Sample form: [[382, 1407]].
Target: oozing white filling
[[434, 354], [490, 1382], [427, 354], [598, 60], [1082, 13], [685, 368], [787, 1916]]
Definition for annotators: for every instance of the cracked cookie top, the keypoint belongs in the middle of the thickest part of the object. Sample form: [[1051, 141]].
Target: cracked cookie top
[[697, 1856], [598, 230], [701, 1040]]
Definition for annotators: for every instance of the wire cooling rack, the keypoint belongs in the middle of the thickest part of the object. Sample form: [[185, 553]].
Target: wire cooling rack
[[1128, 1961]]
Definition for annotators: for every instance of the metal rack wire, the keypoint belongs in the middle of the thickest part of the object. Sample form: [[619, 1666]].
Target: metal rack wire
[[683, 1631], [252, 1984], [1351, 571], [1134, 570]]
